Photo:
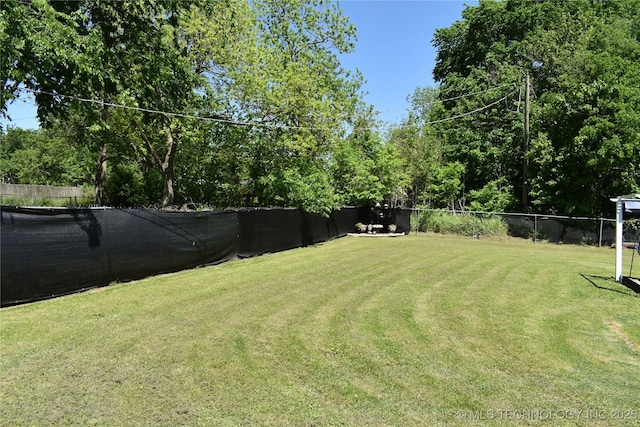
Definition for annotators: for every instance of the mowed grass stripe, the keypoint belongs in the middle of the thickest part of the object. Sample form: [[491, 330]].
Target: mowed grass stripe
[[404, 331]]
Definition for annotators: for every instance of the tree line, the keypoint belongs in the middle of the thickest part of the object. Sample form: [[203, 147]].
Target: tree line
[[581, 60], [233, 103]]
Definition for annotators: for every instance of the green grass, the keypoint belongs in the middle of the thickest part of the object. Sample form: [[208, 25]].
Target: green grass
[[419, 330]]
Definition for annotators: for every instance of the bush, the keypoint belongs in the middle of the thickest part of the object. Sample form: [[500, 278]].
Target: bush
[[462, 223], [129, 186]]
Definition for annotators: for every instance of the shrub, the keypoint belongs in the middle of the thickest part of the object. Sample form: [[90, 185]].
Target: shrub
[[462, 223]]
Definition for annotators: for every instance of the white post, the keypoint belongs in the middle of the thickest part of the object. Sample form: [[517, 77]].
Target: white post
[[619, 234]]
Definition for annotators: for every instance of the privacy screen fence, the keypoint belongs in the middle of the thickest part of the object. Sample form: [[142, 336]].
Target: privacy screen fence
[[48, 252]]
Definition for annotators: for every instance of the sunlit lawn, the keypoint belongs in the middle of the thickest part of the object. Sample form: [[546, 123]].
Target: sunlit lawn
[[417, 330]]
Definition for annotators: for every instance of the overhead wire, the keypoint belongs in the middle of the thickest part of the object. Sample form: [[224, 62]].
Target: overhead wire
[[273, 125], [465, 95], [6, 119], [468, 113]]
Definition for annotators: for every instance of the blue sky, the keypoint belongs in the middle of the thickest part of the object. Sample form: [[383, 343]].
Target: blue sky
[[393, 51]]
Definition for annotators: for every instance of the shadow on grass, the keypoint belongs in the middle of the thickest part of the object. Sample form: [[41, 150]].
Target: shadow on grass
[[609, 284]]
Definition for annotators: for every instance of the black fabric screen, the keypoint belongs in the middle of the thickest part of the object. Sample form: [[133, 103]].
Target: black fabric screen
[[317, 228], [402, 219], [50, 252], [345, 220], [268, 230]]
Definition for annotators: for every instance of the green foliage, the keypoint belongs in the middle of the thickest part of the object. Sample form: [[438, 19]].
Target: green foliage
[[296, 85], [129, 185], [419, 149], [309, 189], [365, 169], [495, 196], [46, 201], [584, 141], [34, 37], [285, 78], [148, 55], [212, 168], [274, 66], [448, 183], [46, 157], [465, 224]]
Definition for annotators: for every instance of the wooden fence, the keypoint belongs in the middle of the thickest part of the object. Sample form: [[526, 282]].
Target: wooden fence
[[26, 191]]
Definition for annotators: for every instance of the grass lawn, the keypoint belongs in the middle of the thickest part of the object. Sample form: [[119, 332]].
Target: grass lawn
[[412, 331]]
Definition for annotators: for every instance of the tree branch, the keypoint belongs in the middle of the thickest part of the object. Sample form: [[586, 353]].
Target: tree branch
[[150, 151]]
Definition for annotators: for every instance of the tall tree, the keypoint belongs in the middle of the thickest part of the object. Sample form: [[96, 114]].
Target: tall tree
[[143, 82], [586, 145], [365, 168], [143, 54], [419, 146], [582, 125], [78, 51], [301, 97], [196, 60]]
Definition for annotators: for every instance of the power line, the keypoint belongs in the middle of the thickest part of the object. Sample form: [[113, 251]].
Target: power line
[[179, 115], [266, 125], [477, 110], [453, 98], [475, 93]]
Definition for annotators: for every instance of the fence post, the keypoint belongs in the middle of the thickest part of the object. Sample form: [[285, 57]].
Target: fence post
[[600, 234], [535, 228], [475, 234]]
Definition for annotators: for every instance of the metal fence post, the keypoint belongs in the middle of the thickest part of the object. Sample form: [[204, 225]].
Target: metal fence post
[[600, 234]]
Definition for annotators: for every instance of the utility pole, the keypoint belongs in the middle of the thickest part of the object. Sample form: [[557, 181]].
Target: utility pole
[[525, 155]]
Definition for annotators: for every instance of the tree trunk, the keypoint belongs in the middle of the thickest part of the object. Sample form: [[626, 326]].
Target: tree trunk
[[100, 177], [168, 171], [166, 165]]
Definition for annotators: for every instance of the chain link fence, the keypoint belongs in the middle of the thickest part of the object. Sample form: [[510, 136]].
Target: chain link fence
[[538, 227]]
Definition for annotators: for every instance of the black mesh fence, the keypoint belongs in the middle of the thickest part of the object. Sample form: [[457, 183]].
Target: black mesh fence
[[268, 230], [401, 218], [316, 228], [345, 220], [49, 252]]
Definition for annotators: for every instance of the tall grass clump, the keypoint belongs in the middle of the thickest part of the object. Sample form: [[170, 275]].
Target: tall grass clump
[[461, 223]]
